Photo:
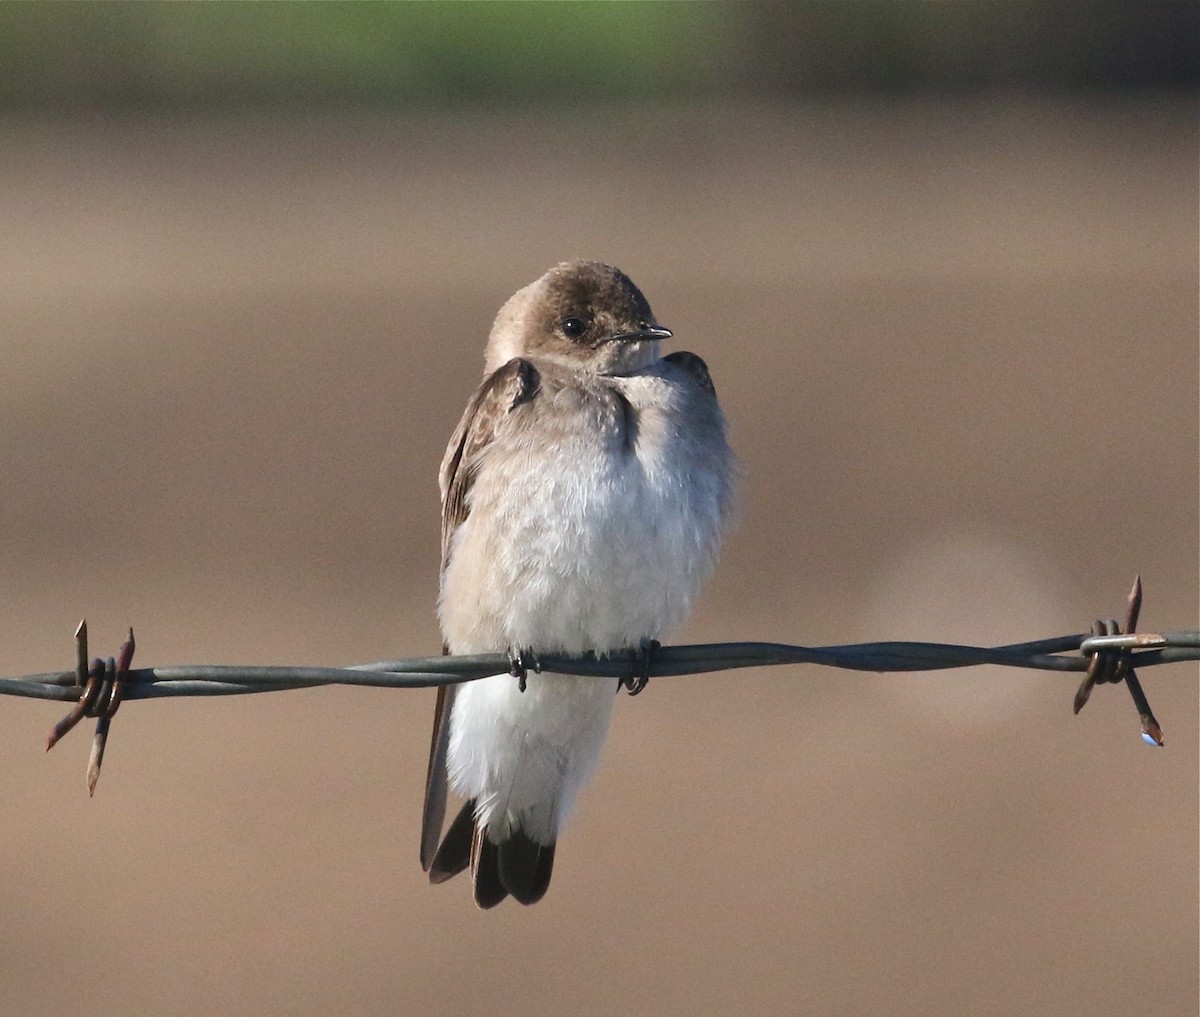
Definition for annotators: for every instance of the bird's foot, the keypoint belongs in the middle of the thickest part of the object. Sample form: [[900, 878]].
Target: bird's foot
[[520, 662], [643, 658]]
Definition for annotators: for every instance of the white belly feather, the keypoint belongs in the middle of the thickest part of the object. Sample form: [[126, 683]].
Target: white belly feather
[[594, 549]]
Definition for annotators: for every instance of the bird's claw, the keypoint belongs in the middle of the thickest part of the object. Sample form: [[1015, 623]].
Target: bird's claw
[[643, 658], [520, 662]]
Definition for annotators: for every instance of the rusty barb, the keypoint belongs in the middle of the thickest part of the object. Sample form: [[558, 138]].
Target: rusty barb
[[102, 685], [1107, 655], [1111, 662]]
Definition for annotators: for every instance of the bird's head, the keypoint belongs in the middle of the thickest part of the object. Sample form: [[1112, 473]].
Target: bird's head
[[584, 315]]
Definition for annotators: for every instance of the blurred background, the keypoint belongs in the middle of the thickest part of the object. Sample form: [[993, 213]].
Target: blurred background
[[941, 260]]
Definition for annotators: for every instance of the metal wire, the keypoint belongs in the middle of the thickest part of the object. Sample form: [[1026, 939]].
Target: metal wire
[[668, 661], [1110, 653]]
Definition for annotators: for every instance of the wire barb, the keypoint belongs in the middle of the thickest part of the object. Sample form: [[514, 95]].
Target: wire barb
[[1113, 665], [102, 688]]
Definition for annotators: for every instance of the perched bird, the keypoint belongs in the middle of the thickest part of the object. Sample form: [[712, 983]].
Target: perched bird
[[584, 496]]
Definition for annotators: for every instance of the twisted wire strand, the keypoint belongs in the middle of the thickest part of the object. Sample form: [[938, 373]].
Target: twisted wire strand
[[1059, 653], [1109, 655]]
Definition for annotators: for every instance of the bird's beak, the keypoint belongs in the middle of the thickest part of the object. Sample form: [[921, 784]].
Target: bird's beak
[[642, 335]]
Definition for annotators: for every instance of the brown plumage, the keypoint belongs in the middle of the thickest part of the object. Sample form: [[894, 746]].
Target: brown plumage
[[572, 363]]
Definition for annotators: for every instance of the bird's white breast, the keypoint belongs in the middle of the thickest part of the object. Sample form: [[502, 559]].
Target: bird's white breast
[[587, 534], [590, 528]]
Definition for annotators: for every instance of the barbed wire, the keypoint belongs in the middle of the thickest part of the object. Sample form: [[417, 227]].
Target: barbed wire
[[1109, 654]]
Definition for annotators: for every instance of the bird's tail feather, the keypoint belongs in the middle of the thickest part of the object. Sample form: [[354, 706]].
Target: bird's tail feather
[[518, 865], [454, 853], [525, 867]]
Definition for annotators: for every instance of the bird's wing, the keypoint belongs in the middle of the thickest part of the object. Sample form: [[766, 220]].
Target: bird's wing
[[502, 391], [694, 366]]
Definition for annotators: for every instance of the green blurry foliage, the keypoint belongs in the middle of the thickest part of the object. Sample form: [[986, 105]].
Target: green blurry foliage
[[259, 54]]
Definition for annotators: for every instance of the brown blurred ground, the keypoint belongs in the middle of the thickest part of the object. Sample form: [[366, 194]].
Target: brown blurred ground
[[957, 345]]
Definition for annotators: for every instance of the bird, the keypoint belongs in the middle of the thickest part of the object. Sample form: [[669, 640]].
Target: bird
[[584, 497]]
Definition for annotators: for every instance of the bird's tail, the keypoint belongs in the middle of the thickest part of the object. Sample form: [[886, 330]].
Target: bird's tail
[[518, 865]]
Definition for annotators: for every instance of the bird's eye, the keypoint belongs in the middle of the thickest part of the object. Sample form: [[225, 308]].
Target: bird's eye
[[573, 328]]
